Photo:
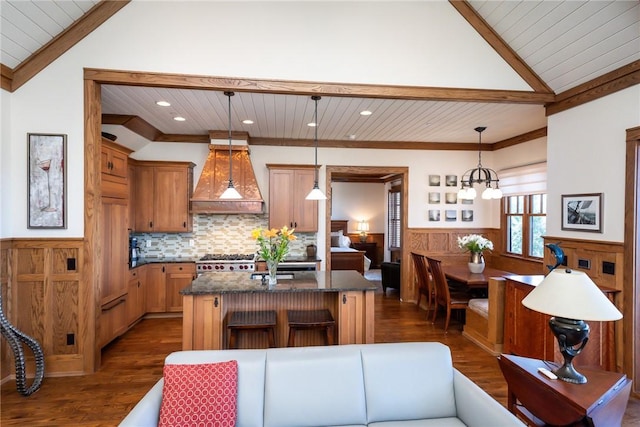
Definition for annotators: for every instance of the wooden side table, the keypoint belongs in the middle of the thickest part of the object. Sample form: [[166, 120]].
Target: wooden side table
[[540, 401]]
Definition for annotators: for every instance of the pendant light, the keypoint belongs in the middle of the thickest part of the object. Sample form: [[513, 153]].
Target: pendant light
[[479, 175], [230, 192], [316, 193]]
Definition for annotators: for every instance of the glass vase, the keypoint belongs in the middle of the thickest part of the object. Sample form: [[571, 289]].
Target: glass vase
[[272, 266], [476, 262]]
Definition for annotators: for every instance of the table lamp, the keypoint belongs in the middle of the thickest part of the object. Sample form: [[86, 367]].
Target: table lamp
[[570, 297], [363, 227]]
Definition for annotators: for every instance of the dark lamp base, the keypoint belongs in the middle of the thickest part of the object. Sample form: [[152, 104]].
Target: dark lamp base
[[572, 336]]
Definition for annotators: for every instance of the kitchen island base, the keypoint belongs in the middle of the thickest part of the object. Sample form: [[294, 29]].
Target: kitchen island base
[[346, 294]]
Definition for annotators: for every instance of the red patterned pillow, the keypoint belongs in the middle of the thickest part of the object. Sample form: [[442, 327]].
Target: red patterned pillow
[[200, 395]]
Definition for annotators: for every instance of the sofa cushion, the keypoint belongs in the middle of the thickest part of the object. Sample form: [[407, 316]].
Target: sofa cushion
[[199, 394], [251, 372], [310, 386], [418, 393]]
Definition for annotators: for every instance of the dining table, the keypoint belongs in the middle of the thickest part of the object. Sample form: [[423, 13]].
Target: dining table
[[460, 273]]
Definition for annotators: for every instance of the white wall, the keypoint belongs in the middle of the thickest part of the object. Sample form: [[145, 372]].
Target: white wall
[[367, 43], [586, 154], [357, 201]]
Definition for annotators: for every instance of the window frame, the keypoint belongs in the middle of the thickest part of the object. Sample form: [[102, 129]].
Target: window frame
[[527, 215], [394, 224]]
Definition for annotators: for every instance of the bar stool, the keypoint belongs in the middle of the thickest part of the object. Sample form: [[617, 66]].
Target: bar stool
[[252, 320], [310, 319]]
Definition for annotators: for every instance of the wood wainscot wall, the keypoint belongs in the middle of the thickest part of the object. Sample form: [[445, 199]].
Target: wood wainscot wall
[[43, 298], [442, 244], [603, 262]]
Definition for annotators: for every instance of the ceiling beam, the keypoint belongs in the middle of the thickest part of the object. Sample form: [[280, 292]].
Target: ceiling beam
[[64, 41], [500, 46], [616, 80], [290, 87]]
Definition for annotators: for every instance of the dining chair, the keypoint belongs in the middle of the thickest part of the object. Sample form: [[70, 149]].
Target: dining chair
[[450, 300], [425, 283]]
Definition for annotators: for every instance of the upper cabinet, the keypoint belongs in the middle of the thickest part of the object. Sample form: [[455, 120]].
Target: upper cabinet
[[161, 197], [113, 168], [288, 189]]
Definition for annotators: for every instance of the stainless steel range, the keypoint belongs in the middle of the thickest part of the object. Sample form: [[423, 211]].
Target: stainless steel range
[[212, 263]]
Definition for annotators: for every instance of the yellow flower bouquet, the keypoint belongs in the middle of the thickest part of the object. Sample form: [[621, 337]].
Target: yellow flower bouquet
[[273, 245]]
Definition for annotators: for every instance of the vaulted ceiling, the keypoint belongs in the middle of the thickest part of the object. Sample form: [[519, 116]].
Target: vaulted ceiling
[[568, 52]]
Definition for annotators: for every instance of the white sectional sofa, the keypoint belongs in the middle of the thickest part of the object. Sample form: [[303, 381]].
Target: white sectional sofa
[[396, 384]]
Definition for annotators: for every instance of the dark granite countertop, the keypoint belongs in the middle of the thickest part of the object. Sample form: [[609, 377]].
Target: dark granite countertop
[[297, 259], [307, 281]]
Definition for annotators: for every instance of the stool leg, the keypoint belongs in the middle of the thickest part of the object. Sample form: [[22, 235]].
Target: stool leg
[[232, 338], [272, 337], [291, 337]]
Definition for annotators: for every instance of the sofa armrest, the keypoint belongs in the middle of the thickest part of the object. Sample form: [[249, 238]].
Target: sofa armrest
[[147, 411], [476, 408]]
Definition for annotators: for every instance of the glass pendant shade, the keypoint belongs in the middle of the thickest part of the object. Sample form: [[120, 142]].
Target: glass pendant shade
[[479, 175]]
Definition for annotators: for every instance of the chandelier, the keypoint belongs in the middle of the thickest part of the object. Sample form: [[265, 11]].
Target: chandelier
[[479, 175]]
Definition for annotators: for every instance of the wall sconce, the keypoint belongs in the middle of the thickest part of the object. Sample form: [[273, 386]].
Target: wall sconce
[[363, 227]]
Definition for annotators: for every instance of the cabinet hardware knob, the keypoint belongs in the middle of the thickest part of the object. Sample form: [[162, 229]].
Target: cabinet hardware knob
[[344, 298], [163, 268], [150, 224], [215, 302]]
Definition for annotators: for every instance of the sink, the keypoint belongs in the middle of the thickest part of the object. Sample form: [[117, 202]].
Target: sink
[[259, 276]]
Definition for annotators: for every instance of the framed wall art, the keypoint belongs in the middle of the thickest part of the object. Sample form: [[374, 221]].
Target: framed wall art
[[582, 212], [434, 180], [47, 180]]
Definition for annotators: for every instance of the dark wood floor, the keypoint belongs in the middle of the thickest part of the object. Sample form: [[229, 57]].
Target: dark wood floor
[[133, 363]]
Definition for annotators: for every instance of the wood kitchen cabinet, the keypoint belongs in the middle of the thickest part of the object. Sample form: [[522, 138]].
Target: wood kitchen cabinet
[[136, 295], [115, 249], [288, 189], [114, 161], [164, 283], [527, 332], [162, 193]]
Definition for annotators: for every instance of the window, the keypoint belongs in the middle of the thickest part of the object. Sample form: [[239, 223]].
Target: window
[[525, 219], [393, 220]]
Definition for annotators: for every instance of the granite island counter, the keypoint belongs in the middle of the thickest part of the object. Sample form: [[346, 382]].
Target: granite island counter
[[210, 298]]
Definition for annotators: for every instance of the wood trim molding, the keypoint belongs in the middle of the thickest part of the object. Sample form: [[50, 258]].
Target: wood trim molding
[[519, 139], [631, 276], [64, 41], [500, 46], [616, 80], [188, 81], [6, 75]]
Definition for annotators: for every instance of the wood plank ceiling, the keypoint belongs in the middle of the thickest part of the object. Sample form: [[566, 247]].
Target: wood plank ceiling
[[556, 46]]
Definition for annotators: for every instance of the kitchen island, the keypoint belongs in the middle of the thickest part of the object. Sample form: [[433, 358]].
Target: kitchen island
[[211, 296]]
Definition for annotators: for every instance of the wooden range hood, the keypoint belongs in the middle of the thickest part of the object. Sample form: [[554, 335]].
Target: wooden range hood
[[215, 179]]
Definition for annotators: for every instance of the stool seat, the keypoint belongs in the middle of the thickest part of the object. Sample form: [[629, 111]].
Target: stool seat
[[252, 320], [310, 319]]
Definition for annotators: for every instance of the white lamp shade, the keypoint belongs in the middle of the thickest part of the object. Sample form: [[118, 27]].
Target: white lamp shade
[[363, 226], [230, 193], [316, 194], [573, 295], [487, 193]]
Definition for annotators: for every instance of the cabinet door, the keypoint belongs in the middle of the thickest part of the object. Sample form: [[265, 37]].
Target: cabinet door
[[179, 276], [118, 164], [171, 199], [281, 183], [525, 330], [144, 187], [156, 288], [115, 249], [305, 212], [136, 298]]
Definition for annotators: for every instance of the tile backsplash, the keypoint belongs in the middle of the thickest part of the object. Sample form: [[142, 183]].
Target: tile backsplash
[[214, 234]]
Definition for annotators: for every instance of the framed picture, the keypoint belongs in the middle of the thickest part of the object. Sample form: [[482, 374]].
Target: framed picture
[[582, 212], [451, 180], [434, 215], [467, 215], [451, 198], [47, 180], [434, 180], [434, 198], [450, 215]]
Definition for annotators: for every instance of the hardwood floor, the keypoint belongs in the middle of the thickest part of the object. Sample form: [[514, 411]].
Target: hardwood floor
[[133, 363]]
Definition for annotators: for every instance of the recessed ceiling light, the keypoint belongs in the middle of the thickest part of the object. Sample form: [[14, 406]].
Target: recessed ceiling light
[[247, 122], [311, 125], [365, 113], [352, 136], [163, 103], [179, 119]]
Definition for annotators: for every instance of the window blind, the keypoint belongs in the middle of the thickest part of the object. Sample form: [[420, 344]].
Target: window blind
[[529, 179]]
